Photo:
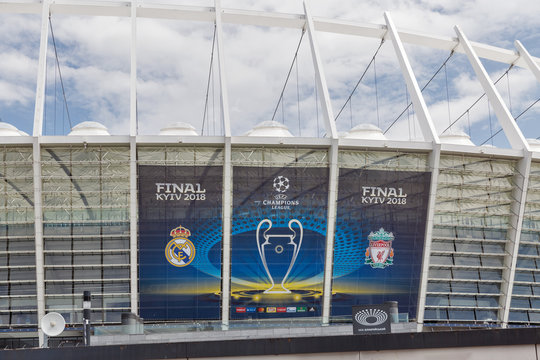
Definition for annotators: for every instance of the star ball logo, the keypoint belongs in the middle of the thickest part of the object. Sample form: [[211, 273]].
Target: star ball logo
[[281, 184], [180, 251]]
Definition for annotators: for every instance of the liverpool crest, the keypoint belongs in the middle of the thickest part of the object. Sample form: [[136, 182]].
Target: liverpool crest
[[380, 253]]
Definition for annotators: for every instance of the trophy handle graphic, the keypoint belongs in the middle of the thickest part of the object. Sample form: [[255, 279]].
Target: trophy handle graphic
[[261, 248], [296, 248]]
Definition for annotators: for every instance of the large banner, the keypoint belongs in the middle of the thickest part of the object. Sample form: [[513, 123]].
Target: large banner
[[180, 242], [278, 241], [381, 219]]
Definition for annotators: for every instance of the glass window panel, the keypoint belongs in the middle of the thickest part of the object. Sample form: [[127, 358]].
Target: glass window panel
[[116, 302], [486, 315], [116, 287], [486, 301], [59, 288], [467, 260], [465, 274], [22, 274], [57, 259], [24, 304], [535, 303], [492, 261], [520, 303], [116, 244], [520, 316], [116, 258], [489, 288], [528, 236], [442, 246], [441, 260], [461, 315], [438, 287], [437, 300], [87, 274], [28, 259], [444, 232], [534, 317], [526, 263], [522, 290], [535, 289], [22, 289], [24, 318], [494, 248], [58, 274], [464, 287], [21, 245], [86, 259], [81, 287], [60, 244], [86, 244], [462, 301], [524, 276], [469, 247], [436, 314], [113, 316], [495, 234], [525, 249], [115, 273]]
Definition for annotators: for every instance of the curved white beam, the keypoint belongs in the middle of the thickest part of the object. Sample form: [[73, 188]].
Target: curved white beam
[[424, 118], [529, 60], [511, 130], [249, 17]]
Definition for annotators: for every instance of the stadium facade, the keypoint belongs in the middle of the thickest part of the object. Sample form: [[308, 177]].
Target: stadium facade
[[455, 226]]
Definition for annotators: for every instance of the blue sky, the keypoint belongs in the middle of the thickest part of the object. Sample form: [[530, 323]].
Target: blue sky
[[174, 57]]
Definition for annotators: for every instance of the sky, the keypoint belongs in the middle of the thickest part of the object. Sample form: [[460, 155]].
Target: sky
[[175, 83]]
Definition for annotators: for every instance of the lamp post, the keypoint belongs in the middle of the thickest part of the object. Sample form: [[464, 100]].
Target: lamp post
[[87, 304]]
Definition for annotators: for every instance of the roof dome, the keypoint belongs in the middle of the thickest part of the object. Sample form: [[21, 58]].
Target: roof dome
[[179, 128], [534, 144], [366, 132], [89, 128], [10, 130], [270, 128], [457, 137]]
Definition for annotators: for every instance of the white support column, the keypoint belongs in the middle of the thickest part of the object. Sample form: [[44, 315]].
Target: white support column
[[38, 235], [429, 133], [36, 166], [424, 118], [434, 163], [333, 164], [519, 197], [42, 70], [333, 153], [133, 228], [533, 66], [133, 204], [511, 130], [227, 175]]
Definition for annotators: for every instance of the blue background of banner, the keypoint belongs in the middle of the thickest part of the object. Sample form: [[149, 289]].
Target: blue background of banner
[[355, 283], [168, 292], [252, 185]]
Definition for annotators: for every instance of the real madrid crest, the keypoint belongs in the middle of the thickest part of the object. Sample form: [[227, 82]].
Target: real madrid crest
[[180, 251], [380, 253]]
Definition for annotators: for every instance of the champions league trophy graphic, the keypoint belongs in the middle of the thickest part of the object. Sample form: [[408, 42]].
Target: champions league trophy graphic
[[279, 249]]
